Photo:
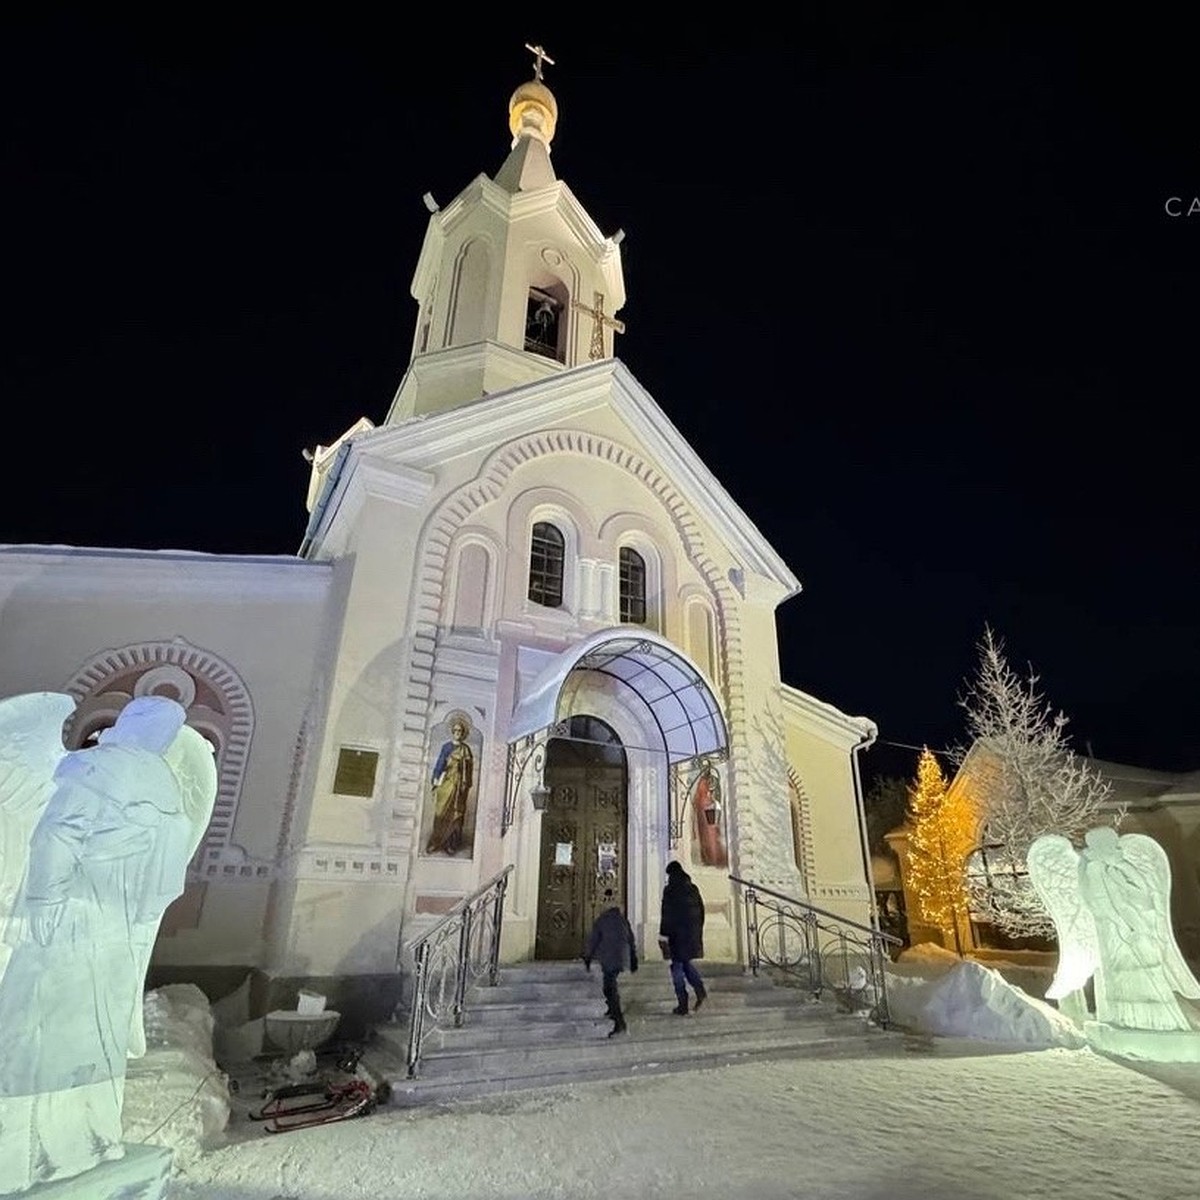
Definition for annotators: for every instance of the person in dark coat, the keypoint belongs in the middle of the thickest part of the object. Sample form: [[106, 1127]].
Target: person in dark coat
[[681, 935], [612, 945]]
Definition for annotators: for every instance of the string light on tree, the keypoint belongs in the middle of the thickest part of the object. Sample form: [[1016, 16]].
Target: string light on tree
[[943, 834]]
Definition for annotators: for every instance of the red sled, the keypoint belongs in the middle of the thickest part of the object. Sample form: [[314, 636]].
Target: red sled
[[303, 1105]]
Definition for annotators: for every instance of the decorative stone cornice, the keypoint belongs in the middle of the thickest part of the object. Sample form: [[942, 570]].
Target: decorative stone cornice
[[101, 572], [824, 719], [357, 863]]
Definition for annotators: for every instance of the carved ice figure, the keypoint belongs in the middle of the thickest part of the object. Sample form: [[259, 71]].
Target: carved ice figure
[[191, 758], [1111, 908], [1126, 882], [1053, 868], [31, 744], [108, 854]]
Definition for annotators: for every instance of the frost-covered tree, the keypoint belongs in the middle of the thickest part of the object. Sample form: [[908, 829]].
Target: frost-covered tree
[[772, 835], [1026, 781], [885, 802], [942, 834]]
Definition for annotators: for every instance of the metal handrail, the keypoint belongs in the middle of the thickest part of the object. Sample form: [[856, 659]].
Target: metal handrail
[[447, 959], [820, 948]]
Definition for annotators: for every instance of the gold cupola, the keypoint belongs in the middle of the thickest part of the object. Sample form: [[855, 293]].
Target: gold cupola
[[533, 110]]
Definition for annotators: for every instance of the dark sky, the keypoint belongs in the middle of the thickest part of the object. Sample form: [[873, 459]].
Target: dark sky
[[907, 285]]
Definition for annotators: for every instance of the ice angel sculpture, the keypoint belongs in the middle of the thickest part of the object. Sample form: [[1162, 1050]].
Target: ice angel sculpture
[[1053, 868], [191, 758], [31, 744], [1111, 907], [108, 854]]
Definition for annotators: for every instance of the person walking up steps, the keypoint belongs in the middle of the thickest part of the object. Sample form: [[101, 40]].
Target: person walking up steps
[[612, 945], [681, 935]]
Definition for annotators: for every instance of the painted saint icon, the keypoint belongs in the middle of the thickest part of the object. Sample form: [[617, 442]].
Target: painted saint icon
[[706, 803], [452, 784]]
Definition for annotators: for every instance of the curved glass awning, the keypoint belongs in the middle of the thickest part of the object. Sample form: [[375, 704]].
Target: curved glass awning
[[651, 672]]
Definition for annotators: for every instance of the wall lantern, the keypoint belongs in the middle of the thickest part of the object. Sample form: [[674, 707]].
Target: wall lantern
[[695, 782], [528, 753]]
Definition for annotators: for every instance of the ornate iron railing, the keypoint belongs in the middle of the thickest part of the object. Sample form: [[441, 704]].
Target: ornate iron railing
[[463, 946], [821, 950]]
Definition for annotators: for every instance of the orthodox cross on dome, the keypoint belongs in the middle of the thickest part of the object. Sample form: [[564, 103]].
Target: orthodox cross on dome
[[540, 56], [600, 318]]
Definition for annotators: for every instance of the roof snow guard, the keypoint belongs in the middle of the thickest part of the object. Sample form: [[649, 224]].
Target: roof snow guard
[[658, 674]]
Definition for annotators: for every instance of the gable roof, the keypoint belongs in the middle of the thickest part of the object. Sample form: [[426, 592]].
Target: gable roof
[[1132, 787], [421, 443]]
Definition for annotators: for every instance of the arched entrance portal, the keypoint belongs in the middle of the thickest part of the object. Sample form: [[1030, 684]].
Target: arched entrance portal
[[641, 697], [584, 835]]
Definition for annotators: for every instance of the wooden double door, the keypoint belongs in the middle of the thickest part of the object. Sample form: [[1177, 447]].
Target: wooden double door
[[584, 837]]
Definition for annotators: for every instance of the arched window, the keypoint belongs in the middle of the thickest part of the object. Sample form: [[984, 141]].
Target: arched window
[[632, 576], [545, 322], [546, 556]]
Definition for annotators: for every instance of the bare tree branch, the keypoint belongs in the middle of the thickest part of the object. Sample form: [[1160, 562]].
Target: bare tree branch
[[1029, 782]]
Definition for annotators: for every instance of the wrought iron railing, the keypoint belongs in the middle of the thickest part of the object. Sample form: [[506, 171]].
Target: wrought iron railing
[[461, 948], [822, 951]]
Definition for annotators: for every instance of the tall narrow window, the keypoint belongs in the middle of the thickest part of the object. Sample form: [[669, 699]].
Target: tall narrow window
[[543, 313], [633, 587], [546, 565]]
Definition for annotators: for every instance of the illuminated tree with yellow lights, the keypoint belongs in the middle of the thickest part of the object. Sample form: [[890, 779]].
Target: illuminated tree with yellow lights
[[943, 833]]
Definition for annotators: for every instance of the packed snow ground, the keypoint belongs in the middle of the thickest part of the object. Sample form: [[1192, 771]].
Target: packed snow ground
[[988, 1093]]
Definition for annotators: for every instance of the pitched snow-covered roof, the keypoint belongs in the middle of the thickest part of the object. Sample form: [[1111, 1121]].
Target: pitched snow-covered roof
[[422, 443]]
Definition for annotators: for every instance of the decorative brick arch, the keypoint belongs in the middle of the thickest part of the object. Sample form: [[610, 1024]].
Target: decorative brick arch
[[217, 702], [802, 833], [459, 507]]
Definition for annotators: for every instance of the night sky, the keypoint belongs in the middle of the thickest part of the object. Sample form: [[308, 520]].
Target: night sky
[[907, 285]]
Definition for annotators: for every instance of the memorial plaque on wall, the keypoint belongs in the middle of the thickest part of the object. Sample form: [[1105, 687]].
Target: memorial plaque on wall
[[355, 772]]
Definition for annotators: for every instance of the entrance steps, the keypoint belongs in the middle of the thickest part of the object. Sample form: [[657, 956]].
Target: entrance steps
[[543, 1025]]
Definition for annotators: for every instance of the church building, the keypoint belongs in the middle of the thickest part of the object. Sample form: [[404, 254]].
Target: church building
[[526, 629]]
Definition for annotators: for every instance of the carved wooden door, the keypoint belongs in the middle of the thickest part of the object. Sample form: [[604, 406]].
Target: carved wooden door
[[582, 854]]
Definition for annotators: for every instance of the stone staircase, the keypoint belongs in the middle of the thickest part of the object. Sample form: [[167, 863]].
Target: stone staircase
[[543, 1025]]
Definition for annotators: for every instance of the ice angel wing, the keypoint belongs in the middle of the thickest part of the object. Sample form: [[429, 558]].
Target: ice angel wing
[[1152, 864], [191, 760], [190, 756], [1053, 865], [31, 747]]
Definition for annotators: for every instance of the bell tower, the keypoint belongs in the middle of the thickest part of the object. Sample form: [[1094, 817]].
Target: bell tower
[[515, 281]]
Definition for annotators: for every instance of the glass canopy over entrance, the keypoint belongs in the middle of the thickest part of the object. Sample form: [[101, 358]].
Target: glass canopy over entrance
[[651, 673]]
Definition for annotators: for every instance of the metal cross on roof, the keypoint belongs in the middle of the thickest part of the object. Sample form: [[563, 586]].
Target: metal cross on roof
[[540, 56], [600, 319]]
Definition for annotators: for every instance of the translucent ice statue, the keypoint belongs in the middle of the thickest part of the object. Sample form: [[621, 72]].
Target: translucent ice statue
[[118, 824], [1111, 908]]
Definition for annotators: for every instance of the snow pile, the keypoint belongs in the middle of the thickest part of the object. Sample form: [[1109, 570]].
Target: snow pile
[[925, 960], [970, 1000], [175, 1095], [236, 1038]]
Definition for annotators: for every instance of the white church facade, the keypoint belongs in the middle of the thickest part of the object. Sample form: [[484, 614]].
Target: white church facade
[[526, 628]]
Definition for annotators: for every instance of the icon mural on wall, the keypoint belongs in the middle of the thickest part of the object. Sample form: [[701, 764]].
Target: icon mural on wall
[[448, 826], [709, 830]]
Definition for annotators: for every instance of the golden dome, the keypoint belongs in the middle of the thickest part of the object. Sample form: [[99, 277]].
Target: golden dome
[[533, 111]]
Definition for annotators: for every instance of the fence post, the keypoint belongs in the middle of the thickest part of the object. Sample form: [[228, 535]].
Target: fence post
[[417, 1018]]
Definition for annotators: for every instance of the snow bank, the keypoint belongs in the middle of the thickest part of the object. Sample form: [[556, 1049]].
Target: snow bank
[[175, 1095], [970, 1000]]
